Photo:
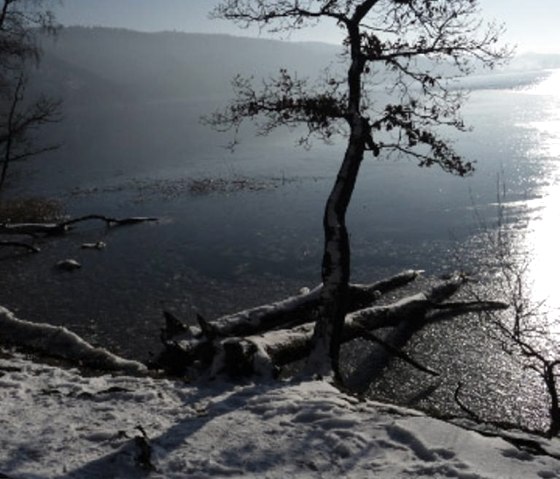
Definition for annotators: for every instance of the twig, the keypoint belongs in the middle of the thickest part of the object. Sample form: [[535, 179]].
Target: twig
[[108, 220], [50, 229], [472, 306]]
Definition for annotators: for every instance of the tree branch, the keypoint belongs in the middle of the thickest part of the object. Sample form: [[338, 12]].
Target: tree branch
[[34, 229]]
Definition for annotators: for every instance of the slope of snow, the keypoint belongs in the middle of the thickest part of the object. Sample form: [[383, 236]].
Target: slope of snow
[[55, 423]]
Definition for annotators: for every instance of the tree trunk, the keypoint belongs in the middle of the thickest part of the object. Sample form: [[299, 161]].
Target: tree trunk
[[323, 359], [16, 99], [336, 261]]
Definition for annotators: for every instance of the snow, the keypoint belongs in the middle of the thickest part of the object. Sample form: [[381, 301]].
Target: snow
[[45, 337], [57, 423], [253, 317]]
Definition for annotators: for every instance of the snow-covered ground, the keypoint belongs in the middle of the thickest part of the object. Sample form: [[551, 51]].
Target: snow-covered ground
[[57, 423]]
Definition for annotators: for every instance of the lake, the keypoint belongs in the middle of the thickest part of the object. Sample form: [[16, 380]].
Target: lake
[[239, 229]]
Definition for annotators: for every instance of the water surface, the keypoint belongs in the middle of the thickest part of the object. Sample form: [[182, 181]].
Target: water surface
[[218, 251]]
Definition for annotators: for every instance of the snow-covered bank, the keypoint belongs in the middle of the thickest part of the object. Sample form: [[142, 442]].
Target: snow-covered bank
[[55, 423]]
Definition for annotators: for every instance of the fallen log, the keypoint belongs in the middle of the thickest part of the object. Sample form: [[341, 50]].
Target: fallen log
[[109, 221], [58, 341], [361, 295], [287, 345], [264, 353], [298, 309], [32, 229], [185, 346]]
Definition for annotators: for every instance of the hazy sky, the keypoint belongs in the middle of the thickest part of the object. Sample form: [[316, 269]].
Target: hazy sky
[[532, 25]]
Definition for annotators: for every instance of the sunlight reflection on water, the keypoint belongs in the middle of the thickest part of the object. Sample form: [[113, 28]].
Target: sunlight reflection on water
[[549, 86], [542, 244], [541, 239]]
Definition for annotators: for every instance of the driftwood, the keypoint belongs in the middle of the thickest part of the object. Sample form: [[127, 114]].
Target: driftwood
[[49, 229], [35, 230], [263, 339]]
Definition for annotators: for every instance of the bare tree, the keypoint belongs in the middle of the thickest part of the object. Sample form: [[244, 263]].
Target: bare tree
[[393, 100], [20, 23]]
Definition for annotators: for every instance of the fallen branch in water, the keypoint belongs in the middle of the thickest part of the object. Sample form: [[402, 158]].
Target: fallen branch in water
[[110, 222], [300, 309], [263, 339], [50, 229]]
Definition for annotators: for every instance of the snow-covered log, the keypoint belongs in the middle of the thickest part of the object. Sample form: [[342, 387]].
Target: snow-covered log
[[411, 307], [185, 346], [60, 342], [362, 295], [32, 229], [298, 309], [269, 316], [263, 353]]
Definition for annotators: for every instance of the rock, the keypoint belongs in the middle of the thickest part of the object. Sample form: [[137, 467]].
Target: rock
[[68, 265]]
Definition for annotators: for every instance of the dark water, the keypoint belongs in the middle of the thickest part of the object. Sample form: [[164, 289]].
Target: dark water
[[239, 246]]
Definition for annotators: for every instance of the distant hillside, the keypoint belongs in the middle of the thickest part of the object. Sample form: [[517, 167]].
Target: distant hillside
[[96, 65], [88, 64]]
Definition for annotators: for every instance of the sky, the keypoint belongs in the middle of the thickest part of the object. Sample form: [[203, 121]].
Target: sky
[[531, 25]]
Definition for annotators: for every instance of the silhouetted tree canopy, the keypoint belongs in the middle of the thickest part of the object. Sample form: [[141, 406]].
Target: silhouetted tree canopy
[[397, 96]]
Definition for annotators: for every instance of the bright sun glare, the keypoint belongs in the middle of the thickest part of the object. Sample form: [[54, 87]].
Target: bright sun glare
[[544, 229]]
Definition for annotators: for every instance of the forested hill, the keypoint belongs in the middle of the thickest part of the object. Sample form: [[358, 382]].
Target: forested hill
[[94, 64]]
